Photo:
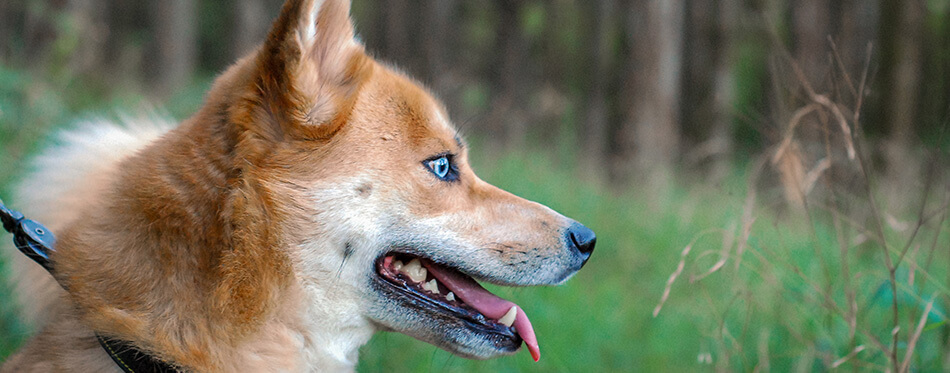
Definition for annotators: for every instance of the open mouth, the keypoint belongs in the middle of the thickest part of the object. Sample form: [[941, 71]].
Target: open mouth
[[455, 294]]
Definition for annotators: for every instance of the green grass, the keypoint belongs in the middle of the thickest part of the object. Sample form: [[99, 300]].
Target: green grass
[[601, 319], [784, 304], [770, 311]]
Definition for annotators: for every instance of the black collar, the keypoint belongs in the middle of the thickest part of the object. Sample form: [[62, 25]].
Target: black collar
[[37, 242], [131, 359]]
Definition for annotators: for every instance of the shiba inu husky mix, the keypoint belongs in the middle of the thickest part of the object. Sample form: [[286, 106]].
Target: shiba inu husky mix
[[317, 197]]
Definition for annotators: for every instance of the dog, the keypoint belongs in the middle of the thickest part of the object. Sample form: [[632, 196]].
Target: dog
[[317, 197]]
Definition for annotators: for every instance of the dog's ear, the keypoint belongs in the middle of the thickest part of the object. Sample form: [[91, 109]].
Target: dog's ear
[[310, 68]]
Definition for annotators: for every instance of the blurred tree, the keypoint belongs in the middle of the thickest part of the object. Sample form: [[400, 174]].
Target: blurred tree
[[934, 111], [251, 21], [595, 128], [641, 85], [174, 28], [560, 58], [371, 22], [90, 27], [560, 15], [40, 29], [811, 23], [811, 28], [438, 36], [6, 30], [653, 120], [708, 85], [857, 29], [902, 35], [721, 139], [506, 122], [397, 38]]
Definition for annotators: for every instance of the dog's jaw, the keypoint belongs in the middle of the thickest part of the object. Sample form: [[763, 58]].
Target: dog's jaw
[[332, 324]]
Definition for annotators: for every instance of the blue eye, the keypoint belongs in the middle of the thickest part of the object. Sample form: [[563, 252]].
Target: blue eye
[[443, 168]]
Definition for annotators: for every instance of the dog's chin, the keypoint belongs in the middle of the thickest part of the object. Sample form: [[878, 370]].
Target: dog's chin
[[406, 306]]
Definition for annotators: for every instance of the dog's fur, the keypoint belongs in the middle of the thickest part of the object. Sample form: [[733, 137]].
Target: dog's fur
[[245, 239]]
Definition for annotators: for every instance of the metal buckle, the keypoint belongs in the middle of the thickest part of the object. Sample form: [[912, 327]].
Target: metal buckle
[[32, 239]]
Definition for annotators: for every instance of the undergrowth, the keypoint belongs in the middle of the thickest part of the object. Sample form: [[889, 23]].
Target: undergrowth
[[753, 287]]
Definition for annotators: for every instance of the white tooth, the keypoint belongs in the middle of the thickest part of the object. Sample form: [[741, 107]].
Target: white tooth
[[411, 266], [450, 296], [420, 275], [432, 286], [397, 265], [415, 270], [509, 318]]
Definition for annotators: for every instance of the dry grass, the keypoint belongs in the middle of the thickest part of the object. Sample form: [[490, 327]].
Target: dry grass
[[841, 273], [754, 286]]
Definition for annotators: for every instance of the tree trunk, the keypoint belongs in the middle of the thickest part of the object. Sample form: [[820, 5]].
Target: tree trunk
[[811, 22], [6, 31], [653, 128], [701, 51], [555, 45], [859, 23], [251, 20], [438, 36], [174, 27], [559, 75], [902, 164], [721, 137], [371, 21], [506, 122], [91, 21], [596, 123], [708, 86], [397, 31], [40, 31], [907, 72], [811, 27]]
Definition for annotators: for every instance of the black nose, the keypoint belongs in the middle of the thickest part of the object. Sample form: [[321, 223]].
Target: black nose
[[582, 238]]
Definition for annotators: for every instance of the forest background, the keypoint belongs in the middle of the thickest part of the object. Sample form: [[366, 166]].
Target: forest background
[[769, 179]]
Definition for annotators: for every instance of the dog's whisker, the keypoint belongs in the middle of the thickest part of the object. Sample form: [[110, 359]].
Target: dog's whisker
[[347, 253], [462, 127]]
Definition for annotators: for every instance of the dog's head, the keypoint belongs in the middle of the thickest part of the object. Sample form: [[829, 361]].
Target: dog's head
[[377, 203]]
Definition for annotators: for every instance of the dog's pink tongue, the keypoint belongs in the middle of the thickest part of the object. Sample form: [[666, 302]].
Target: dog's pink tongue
[[487, 303]]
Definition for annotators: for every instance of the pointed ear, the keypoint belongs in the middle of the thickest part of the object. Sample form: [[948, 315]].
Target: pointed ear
[[311, 67]]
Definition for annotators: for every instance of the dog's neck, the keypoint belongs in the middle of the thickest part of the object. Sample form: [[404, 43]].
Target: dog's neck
[[231, 300], [326, 326], [315, 333], [331, 333]]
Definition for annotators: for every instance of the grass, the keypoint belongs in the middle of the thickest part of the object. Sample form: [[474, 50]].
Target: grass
[[783, 307], [761, 288], [602, 317]]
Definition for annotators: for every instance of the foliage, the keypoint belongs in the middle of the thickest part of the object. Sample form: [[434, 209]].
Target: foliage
[[782, 304], [755, 284], [785, 303]]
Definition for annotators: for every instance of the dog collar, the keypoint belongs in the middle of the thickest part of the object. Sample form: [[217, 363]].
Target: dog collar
[[131, 359], [36, 242]]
